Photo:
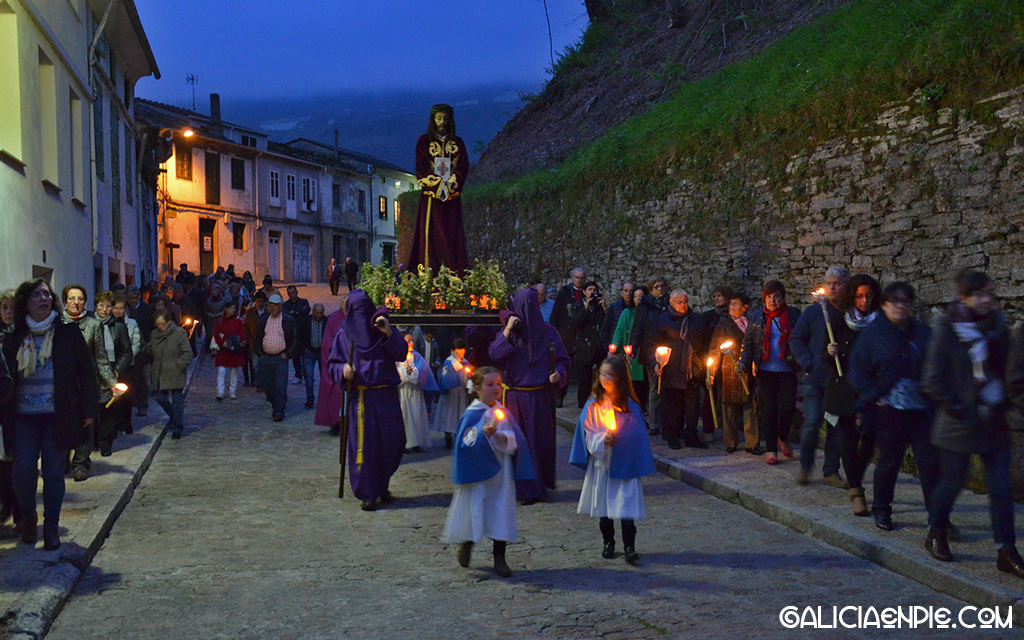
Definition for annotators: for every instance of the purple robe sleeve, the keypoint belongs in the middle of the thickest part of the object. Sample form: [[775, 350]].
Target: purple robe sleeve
[[501, 348], [338, 357], [396, 346]]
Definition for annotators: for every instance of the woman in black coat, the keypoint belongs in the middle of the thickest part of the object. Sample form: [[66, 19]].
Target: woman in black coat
[[118, 354], [588, 348], [856, 432], [44, 354]]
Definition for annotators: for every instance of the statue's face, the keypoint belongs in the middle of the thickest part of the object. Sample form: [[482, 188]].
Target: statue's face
[[441, 122]]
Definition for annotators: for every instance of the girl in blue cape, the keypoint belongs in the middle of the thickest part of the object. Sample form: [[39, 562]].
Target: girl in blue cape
[[491, 453], [452, 380], [611, 444]]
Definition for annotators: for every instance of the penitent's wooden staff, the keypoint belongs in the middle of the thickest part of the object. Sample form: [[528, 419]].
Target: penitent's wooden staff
[[343, 447]]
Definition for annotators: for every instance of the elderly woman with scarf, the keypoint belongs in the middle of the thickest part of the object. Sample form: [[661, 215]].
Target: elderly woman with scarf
[[766, 355], [117, 349], [534, 366], [44, 354], [856, 428], [965, 374], [364, 352]]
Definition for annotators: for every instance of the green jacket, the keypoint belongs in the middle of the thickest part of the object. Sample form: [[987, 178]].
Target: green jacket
[[171, 353], [621, 337]]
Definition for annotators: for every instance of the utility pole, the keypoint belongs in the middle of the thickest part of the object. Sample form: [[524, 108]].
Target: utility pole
[[193, 80]]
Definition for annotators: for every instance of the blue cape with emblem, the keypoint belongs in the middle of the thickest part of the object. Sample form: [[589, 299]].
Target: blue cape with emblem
[[631, 453], [474, 460]]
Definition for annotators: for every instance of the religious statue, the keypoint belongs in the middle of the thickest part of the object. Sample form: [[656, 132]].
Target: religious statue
[[442, 163]]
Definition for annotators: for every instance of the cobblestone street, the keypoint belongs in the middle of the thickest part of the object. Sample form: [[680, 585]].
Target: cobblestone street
[[236, 531]]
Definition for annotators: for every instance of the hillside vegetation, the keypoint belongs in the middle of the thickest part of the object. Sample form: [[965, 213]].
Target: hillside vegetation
[[822, 79]]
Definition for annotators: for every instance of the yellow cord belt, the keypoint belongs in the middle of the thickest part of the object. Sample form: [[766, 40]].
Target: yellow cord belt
[[361, 421], [505, 389], [426, 235]]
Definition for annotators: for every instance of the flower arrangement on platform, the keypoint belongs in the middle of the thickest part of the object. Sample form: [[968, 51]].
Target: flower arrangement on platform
[[481, 287]]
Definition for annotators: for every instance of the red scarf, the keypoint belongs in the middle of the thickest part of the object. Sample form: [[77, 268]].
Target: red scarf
[[784, 330]]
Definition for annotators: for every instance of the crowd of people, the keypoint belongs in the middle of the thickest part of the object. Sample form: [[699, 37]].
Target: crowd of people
[[874, 380]]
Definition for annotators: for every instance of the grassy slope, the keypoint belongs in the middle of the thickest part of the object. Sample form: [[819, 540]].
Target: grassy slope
[[815, 83]]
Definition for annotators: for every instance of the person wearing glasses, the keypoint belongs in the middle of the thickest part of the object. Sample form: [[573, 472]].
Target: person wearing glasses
[[885, 371]]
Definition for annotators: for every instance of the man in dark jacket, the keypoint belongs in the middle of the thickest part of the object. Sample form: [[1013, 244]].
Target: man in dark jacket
[[589, 349], [274, 345], [651, 306], [614, 310], [885, 369], [810, 337], [297, 308], [310, 336], [334, 276], [142, 313], [966, 374], [351, 273], [682, 330], [568, 295]]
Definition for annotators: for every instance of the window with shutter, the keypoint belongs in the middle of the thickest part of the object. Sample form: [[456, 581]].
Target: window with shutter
[[238, 174]]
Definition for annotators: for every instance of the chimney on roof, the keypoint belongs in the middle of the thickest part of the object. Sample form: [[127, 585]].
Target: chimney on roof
[[215, 125], [337, 154]]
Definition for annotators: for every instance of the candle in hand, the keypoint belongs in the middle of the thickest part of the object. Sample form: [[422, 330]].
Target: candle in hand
[[725, 346], [611, 348], [499, 414], [629, 349]]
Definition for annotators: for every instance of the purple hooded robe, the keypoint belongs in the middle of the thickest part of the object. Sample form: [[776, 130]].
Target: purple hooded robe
[[328, 401], [526, 361], [376, 433]]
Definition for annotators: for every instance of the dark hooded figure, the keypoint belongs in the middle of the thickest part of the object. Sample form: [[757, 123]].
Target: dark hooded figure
[[534, 365], [376, 433], [442, 164]]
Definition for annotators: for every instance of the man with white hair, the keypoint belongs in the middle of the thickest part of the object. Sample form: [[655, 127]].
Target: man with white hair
[[810, 337]]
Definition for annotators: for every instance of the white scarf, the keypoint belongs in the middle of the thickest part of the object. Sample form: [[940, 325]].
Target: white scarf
[[991, 390], [28, 360]]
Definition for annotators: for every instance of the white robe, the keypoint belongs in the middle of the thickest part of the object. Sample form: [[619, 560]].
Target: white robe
[[487, 508], [414, 408], [603, 496], [451, 405]]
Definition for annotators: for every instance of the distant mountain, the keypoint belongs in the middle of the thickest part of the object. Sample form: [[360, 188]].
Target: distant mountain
[[385, 125]]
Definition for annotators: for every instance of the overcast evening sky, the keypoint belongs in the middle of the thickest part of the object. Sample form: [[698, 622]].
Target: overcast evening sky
[[274, 49]]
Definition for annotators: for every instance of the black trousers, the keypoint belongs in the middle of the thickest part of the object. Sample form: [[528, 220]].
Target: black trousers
[[583, 373], [334, 282], [856, 450], [680, 412], [351, 282], [895, 430], [776, 394]]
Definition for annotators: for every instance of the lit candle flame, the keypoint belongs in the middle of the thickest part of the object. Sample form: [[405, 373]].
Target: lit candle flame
[[711, 361], [725, 345], [120, 386], [499, 414], [606, 415], [820, 292], [629, 349], [611, 348]]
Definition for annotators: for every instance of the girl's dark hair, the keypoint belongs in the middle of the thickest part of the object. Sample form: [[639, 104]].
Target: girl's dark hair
[[458, 343], [773, 286], [968, 281], [858, 281], [723, 289], [643, 294], [481, 373], [623, 384], [21, 298]]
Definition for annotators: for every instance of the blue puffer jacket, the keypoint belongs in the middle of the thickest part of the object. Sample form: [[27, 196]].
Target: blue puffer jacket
[[883, 355]]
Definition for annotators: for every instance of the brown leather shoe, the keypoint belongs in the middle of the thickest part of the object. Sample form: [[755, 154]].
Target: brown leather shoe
[[860, 505], [51, 539]]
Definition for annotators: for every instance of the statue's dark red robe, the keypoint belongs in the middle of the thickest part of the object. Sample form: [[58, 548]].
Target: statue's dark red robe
[[440, 237]]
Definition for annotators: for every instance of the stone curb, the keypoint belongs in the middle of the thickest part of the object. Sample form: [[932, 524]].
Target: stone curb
[[37, 611], [938, 576]]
